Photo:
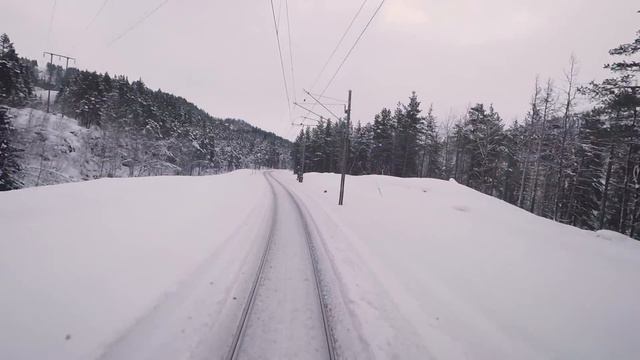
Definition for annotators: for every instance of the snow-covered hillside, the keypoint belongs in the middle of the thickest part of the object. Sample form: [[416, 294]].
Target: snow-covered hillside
[[55, 149], [159, 268], [432, 267]]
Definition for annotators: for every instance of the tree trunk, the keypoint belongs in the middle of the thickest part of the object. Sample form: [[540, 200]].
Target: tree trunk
[[622, 226], [603, 202], [636, 209], [569, 212]]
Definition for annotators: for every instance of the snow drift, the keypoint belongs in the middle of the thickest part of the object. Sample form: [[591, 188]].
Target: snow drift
[[156, 268], [434, 269], [82, 265]]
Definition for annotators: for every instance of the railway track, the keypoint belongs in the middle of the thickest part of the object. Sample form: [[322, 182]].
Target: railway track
[[284, 250]]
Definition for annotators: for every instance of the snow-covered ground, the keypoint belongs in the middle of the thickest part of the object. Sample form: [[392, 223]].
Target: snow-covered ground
[[433, 269], [86, 269], [158, 268], [42, 95]]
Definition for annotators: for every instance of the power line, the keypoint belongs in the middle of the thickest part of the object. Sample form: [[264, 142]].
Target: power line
[[284, 76], [343, 102], [104, 4], [293, 77], [344, 35], [138, 23], [323, 105], [309, 110], [352, 47], [93, 19]]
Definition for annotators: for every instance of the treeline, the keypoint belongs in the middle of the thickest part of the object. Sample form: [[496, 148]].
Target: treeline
[[16, 87], [577, 167], [17, 75], [164, 130], [143, 131]]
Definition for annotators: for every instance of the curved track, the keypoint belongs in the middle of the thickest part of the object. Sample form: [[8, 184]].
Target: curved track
[[285, 315]]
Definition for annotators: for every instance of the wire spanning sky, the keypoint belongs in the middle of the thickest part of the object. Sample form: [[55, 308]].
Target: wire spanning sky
[[222, 55]]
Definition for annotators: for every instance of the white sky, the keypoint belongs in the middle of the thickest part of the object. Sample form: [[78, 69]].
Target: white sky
[[222, 55]]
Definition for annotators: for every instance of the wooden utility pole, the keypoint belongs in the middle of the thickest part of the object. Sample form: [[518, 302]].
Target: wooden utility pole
[[51, 62], [345, 151], [304, 151]]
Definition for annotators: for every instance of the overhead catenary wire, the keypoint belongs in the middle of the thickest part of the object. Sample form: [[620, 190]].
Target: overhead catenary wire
[[97, 14], [341, 101], [139, 22], [89, 24], [284, 76], [335, 49], [323, 105], [309, 110], [344, 60], [293, 76]]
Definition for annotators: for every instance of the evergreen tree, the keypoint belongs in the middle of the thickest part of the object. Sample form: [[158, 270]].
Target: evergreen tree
[[430, 159], [9, 165], [619, 98], [383, 141], [484, 136], [15, 75], [409, 130]]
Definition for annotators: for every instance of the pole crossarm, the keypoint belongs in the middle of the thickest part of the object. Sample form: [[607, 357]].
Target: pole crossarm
[[45, 53], [309, 110], [321, 104], [58, 55]]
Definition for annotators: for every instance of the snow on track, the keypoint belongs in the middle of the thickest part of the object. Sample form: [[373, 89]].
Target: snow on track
[[286, 316]]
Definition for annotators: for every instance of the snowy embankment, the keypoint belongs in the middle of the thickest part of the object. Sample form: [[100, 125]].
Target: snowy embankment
[[433, 269], [54, 148], [88, 268]]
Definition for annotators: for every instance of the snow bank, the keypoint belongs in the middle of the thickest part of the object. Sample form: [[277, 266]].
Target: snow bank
[[82, 265], [433, 269]]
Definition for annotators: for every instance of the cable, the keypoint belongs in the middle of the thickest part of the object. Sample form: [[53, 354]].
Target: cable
[[344, 35], [330, 98], [95, 17], [104, 4], [323, 105], [350, 50], [293, 77], [284, 76], [353, 47], [138, 23]]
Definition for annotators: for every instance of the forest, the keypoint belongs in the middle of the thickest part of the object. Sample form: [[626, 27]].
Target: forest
[[145, 132], [574, 157]]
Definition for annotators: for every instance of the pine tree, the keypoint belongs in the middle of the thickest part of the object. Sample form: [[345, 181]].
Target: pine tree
[[5, 44], [9, 165], [484, 136], [409, 126], [430, 162], [15, 75], [619, 99], [382, 151]]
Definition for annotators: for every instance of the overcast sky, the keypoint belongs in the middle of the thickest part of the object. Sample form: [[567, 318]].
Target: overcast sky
[[222, 55]]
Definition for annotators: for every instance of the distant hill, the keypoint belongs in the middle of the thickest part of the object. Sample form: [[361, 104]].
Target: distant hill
[[131, 130]]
